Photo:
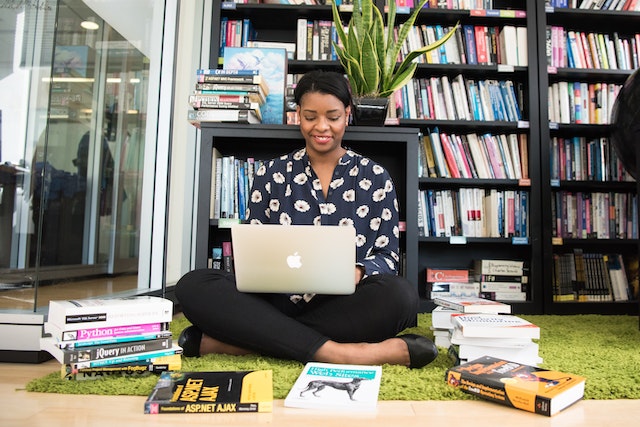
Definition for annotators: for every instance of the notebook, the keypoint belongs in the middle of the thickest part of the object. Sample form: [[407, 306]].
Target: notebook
[[294, 259]]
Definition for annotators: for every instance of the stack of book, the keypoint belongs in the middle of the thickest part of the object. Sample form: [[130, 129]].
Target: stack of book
[[502, 280], [451, 282], [479, 327], [449, 305], [228, 96], [94, 338]]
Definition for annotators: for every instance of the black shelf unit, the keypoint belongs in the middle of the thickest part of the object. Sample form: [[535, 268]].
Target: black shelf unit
[[457, 252], [395, 148], [596, 21], [278, 23]]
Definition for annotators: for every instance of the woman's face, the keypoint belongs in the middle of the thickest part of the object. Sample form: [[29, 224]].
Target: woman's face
[[323, 121]]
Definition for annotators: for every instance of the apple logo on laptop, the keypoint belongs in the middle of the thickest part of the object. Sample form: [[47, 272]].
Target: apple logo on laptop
[[294, 261]]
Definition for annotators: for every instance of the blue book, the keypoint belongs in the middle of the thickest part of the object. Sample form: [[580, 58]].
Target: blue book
[[470, 44], [272, 65]]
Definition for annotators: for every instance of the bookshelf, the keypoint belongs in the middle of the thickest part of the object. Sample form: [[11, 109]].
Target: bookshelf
[[395, 148], [531, 81], [574, 188], [458, 249]]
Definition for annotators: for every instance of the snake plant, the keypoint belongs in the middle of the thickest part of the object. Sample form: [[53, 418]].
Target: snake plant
[[369, 52]]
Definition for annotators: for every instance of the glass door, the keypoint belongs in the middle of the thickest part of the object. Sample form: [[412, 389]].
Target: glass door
[[74, 113]]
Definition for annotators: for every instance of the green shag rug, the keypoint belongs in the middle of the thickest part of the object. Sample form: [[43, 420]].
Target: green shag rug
[[604, 349]]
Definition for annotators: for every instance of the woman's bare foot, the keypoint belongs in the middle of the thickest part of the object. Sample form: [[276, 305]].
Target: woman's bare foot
[[393, 351], [210, 345]]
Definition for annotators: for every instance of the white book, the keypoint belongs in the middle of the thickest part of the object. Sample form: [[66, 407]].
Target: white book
[[88, 313], [448, 98], [505, 267], [466, 212], [451, 49], [563, 95], [506, 156], [336, 387], [509, 296], [479, 160], [514, 149], [301, 39], [481, 226], [472, 305], [523, 49], [492, 203], [468, 108], [216, 172], [494, 326], [524, 355], [441, 317], [509, 45], [458, 339], [441, 163]]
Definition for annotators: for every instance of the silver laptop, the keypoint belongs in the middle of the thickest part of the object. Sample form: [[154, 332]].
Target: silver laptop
[[294, 259]]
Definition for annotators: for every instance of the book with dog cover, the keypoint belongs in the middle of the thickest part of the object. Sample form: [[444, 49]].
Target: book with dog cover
[[335, 386], [211, 392], [520, 386]]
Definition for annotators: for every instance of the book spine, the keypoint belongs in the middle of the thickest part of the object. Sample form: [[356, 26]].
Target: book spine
[[126, 359], [102, 333], [229, 79], [70, 345], [99, 317], [226, 72], [105, 352], [501, 278], [499, 267], [144, 367], [199, 408]]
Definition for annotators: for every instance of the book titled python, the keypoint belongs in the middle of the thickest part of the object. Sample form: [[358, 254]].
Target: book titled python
[[211, 392]]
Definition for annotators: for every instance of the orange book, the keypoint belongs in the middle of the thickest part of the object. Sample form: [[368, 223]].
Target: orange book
[[525, 387]]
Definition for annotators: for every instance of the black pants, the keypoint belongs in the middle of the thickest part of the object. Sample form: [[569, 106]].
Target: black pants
[[272, 325]]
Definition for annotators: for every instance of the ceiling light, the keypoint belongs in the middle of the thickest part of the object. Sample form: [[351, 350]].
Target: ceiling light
[[89, 24]]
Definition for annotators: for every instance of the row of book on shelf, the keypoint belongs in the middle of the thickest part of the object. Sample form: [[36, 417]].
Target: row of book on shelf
[[96, 338], [580, 49], [471, 44], [492, 279], [496, 356], [459, 98], [485, 156], [231, 181], [620, 5], [581, 102], [473, 212], [586, 159], [402, 5], [594, 215], [583, 276]]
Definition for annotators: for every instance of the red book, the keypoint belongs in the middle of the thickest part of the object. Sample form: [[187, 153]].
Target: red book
[[448, 155], [481, 44], [447, 275]]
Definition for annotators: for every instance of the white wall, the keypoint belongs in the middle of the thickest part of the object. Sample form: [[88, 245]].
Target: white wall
[[193, 28]]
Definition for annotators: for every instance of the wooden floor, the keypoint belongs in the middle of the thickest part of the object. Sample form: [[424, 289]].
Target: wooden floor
[[25, 298], [24, 409]]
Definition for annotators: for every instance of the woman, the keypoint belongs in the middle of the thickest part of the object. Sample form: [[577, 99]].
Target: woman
[[322, 184]]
